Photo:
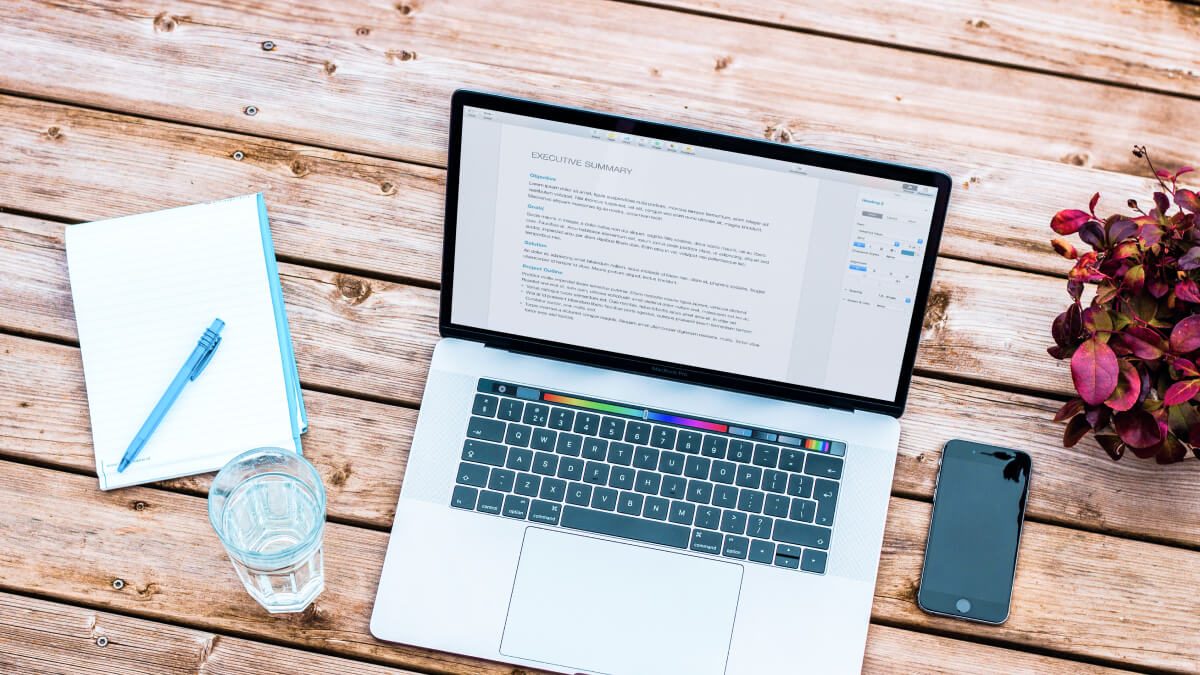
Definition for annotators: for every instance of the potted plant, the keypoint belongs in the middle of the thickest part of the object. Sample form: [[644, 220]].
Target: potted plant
[[1134, 347]]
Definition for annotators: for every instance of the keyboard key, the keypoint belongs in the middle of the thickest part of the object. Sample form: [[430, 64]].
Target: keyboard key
[[569, 444], [791, 460], [502, 480], [735, 547], [648, 482], [561, 419], [483, 429], [595, 448], [823, 466], [518, 435], [708, 517], [803, 510], [714, 446], [656, 508], [706, 542], [622, 477], [801, 534], [762, 551], [570, 468], [464, 497], [697, 467], [620, 453], [759, 526], [662, 437], [645, 458], [604, 499], [520, 459], [579, 494], [787, 556], [750, 501], [527, 484], [543, 439], [813, 561], [630, 503], [670, 462], [766, 455], [682, 512], [490, 502], [674, 487], [553, 489], [510, 409], [535, 414], [722, 472], [545, 512], [699, 491], [777, 505], [749, 476], [637, 433], [595, 473], [733, 522], [774, 481], [825, 492], [725, 496], [481, 451], [587, 423], [545, 463], [689, 442], [617, 525], [800, 486], [741, 451], [612, 428], [484, 405], [472, 474], [516, 506]]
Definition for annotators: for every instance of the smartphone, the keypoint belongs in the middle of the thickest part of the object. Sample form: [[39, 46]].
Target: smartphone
[[975, 531]]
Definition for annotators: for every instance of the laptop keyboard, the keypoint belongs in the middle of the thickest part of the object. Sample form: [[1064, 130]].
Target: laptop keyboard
[[650, 476]]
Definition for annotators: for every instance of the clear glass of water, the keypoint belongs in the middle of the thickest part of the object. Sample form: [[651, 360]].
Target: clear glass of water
[[268, 507]]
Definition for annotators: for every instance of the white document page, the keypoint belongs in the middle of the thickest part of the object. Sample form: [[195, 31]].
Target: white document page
[[145, 288]]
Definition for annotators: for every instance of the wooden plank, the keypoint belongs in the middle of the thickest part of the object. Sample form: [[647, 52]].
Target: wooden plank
[[37, 636], [1052, 37], [368, 77], [1076, 592]]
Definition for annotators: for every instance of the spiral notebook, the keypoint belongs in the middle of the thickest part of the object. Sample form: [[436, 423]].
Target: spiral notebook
[[145, 287]]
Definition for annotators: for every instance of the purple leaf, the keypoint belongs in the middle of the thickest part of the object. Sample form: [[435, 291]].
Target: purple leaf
[[1056, 351], [1076, 429], [1186, 290], [1092, 234], [1182, 392], [1191, 259], [1096, 319], [1069, 221], [1137, 428], [1161, 201], [1144, 342], [1185, 337], [1187, 200], [1112, 445], [1126, 393], [1094, 370], [1069, 409], [1186, 368], [1075, 289], [1150, 233], [1122, 230]]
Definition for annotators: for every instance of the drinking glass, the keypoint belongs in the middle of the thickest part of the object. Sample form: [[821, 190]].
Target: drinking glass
[[268, 507]]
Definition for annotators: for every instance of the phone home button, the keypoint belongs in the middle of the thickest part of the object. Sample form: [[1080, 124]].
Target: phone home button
[[963, 605]]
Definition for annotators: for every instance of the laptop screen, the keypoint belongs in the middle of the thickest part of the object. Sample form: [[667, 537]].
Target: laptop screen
[[679, 253]]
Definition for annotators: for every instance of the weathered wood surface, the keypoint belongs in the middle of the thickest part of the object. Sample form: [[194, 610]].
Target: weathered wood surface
[[374, 77], [76, 540], [51, 637], [1149, 45]]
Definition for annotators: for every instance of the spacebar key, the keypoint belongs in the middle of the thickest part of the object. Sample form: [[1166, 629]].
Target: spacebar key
[[649, 531]]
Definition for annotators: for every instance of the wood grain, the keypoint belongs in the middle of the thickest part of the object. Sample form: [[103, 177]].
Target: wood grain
[[77, 540], [367, 77], [1053, 37]]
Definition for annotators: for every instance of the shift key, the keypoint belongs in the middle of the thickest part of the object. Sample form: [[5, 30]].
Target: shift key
[[802, 534]]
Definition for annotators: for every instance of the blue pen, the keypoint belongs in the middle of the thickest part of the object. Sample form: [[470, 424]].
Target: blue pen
[[190, 370]]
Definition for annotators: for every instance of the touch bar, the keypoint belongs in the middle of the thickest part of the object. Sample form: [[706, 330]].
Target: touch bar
[[687, 422], [593, 405]]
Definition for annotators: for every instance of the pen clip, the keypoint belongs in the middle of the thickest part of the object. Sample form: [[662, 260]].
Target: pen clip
[[205, 359]]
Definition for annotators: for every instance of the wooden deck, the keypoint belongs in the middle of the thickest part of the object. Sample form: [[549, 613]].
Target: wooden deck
[[112, 107]]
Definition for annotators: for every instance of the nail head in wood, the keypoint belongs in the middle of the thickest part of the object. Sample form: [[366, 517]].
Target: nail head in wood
[[251, 110], [102, 641], [268, 46], [118, 584], [238, 155]]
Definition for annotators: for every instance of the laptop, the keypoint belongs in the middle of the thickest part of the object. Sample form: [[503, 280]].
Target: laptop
[[659, 429]]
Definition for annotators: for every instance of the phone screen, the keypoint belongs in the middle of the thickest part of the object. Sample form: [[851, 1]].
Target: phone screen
[[971, 554]]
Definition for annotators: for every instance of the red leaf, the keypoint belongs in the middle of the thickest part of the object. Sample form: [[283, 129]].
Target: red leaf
[[1181, 392], [1069, 409], [1187, 290], [1076, 429], [1144, 342], [1094, 370], [1161, 201], [1163, 174], [1064, 248], [1092, 204], [1129, 387], [1185, 337], [1186, 367], [1112, 445], [1138, 429], [1069, 221], [1187, 200]]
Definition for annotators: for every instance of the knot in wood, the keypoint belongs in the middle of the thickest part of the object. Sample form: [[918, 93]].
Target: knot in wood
[[353, 289], [164, 23], [54, 132], [405, 8], [362, 31]]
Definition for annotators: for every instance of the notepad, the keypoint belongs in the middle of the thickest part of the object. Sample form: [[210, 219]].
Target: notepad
[[145, 287]]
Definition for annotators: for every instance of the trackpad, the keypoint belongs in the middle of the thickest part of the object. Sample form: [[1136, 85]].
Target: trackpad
[[592, 604]]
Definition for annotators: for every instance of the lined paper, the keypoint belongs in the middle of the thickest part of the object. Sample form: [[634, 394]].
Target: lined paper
[[145, 287]]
